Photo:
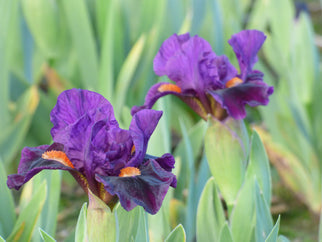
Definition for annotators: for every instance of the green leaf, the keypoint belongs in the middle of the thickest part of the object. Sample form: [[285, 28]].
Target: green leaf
[[160, 140], [272, 237], [29, 215], [8, 13], [259, 15], [48, 216], [264, 222], [99, 219], [225, 234], [243, 217], [293, 172], [178, 234], [191, 200], [83, 39], [45, 236], [210, 213], [2, 239], [12, 137], [259, 166], [81, 226], [106, 69], [131, 224], [225, 158], [282, 238], [320, 227], [126, 73], [7, 206], [281, 18], [317, 116], [218, 24], [196, 135], [42, 19], [304, 59]]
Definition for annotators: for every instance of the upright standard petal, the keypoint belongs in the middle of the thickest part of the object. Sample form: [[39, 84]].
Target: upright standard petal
[[179, 58], [73, 104], [141, 128], [246, 45], [77, 117]]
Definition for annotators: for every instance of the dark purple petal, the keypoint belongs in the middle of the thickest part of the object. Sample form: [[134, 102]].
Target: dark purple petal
[[78, 117], [246, 44], [32, 163], [73, 105], [141, 128], [147, 190], [111, 150], [167, 163], [154, 93], [180, 61], [226, 70], [167, 50], [234, 99]]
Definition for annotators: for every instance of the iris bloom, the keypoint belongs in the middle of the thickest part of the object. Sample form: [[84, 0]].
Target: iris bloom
[[208, 83], [110, 162]]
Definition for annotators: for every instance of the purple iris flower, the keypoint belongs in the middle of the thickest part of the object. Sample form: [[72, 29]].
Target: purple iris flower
[[109, 161], [208, 83]]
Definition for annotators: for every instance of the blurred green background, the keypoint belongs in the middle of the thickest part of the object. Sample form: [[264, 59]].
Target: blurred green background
[[108, 46]]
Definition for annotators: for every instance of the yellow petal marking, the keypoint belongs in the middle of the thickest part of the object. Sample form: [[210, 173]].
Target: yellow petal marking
[[129, 171], [132, 150], [59, 156], [233, 82], [169, 88]]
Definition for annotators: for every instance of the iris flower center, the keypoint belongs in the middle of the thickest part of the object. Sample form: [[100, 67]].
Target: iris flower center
[[59, 156], [169, 88], [233, 82], [129, 171]]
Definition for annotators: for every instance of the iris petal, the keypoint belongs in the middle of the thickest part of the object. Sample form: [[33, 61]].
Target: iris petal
[[234, 99], [154, 93], [246, 45], [32, 163], [73, 104], [147, 190], [141, 128]]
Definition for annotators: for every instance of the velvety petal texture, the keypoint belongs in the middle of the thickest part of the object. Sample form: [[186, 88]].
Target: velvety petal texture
[[89, 143], [32, 163], [147, 189], [141, 128], [246, 45], [208, 83], [235, 98]]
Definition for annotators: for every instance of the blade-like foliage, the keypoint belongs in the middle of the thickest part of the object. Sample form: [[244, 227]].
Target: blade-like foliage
[[27, 219]]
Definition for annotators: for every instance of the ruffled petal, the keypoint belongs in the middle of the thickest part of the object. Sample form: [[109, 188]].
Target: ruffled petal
[[73, 104], [147, 190], [234, 99], [111, 150], [246, 45], [167, 50], [78, 117], [32, 163], [141, 128], [179, 58], [166, 162]]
